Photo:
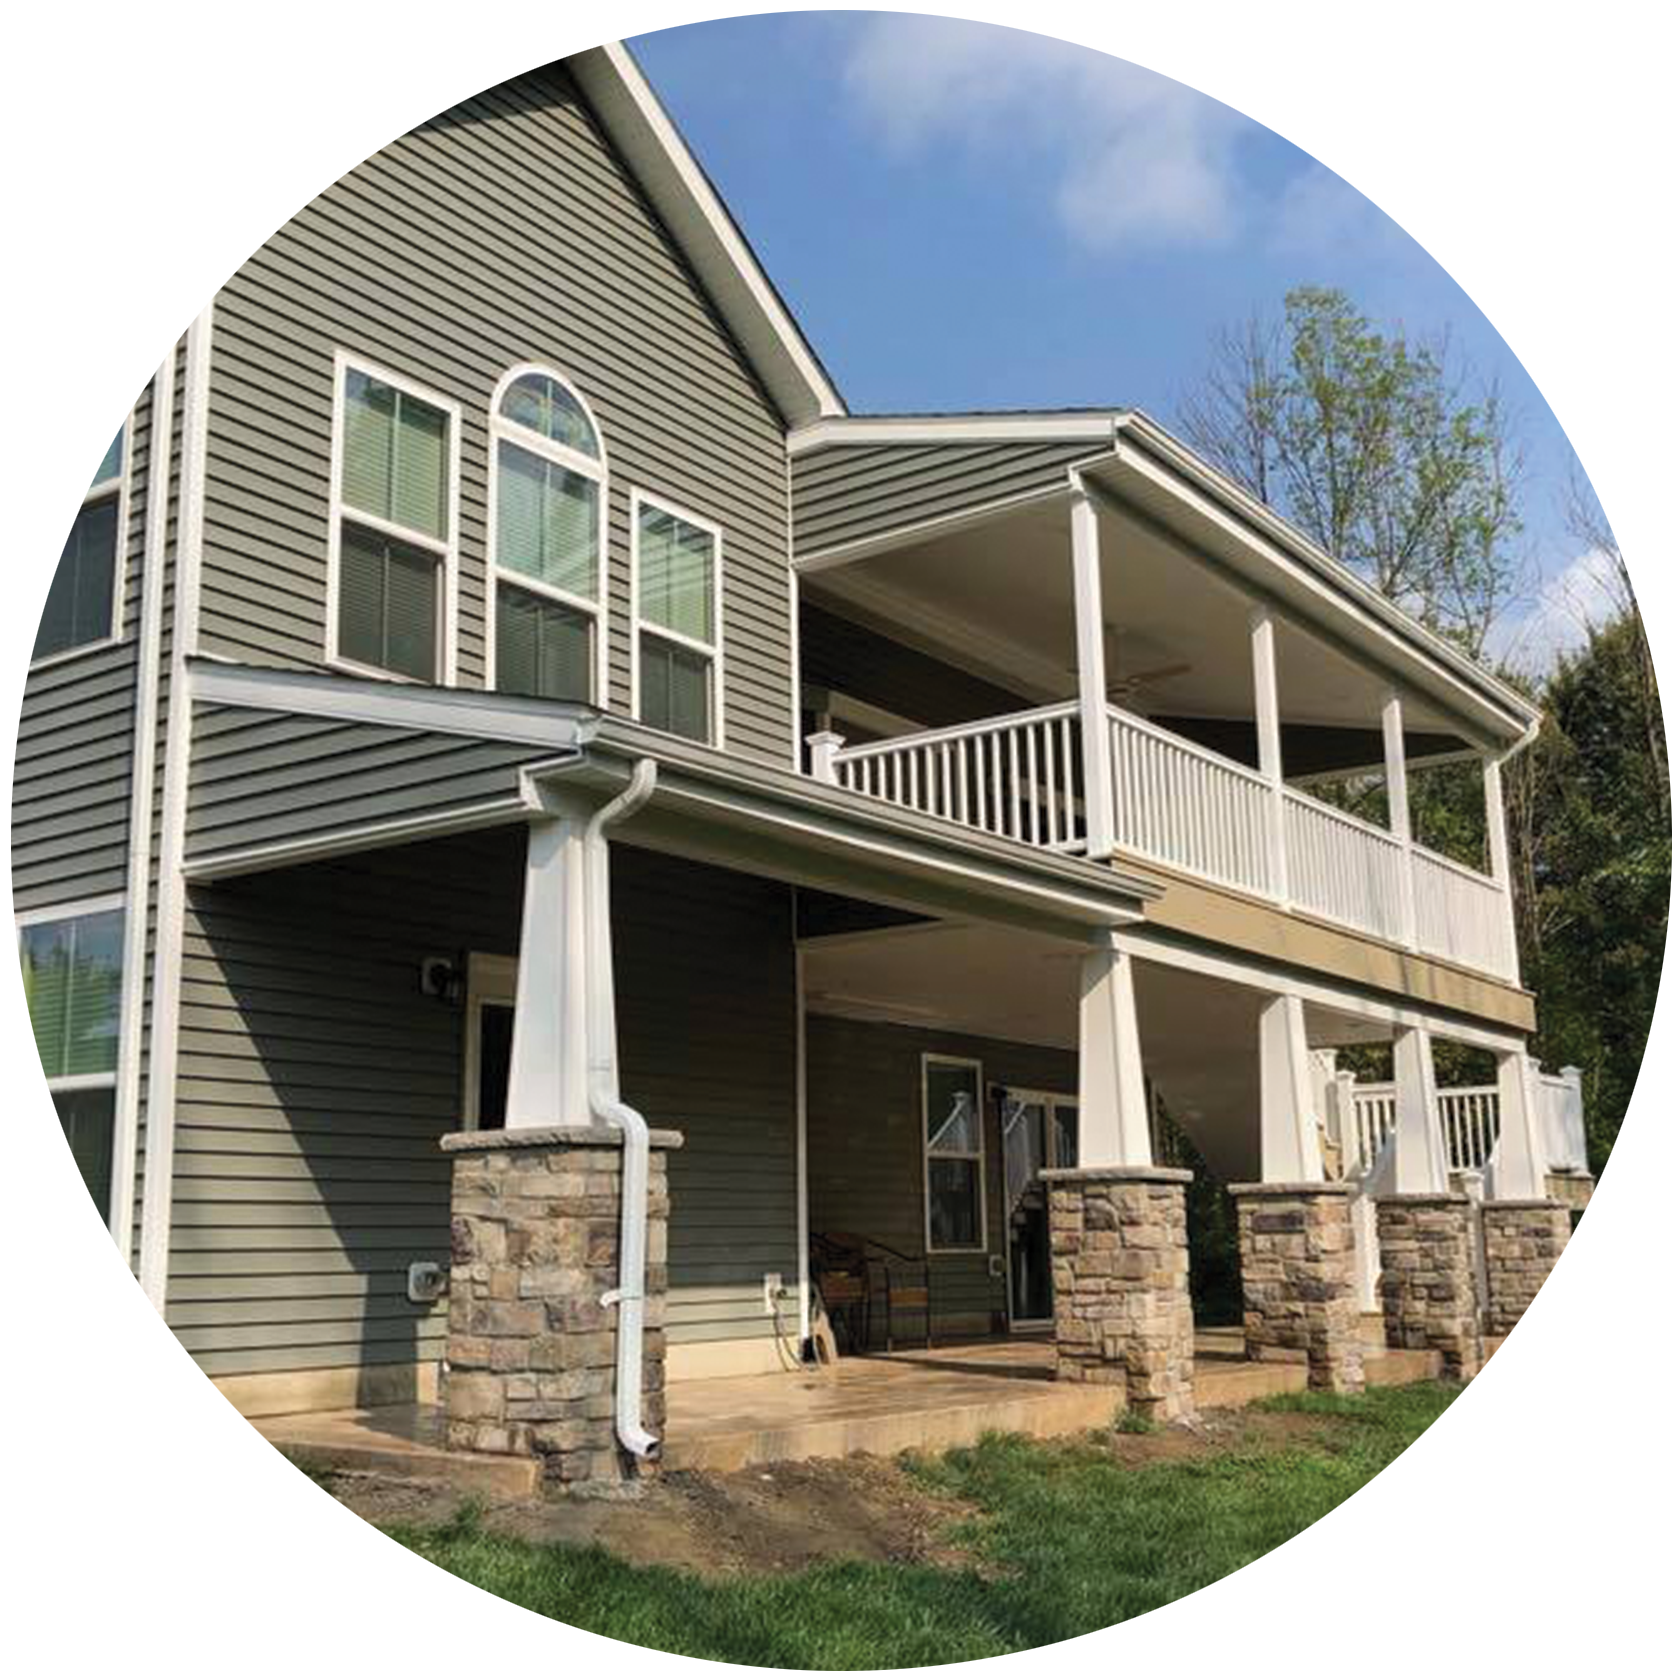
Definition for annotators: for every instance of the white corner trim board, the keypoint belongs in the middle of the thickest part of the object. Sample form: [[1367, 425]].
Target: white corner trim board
[[148, 671]]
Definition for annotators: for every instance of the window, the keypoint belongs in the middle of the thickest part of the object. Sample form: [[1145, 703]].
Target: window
[[548, 543], [955, 1156], [73, 509], [391, 567], [676, 563], [72, 982]]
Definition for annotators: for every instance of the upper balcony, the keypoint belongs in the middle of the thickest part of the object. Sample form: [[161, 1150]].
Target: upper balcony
[[1117, 660]]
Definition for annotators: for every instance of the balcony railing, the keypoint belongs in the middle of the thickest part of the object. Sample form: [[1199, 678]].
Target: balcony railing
[[1178, 804], [1469, 1121]]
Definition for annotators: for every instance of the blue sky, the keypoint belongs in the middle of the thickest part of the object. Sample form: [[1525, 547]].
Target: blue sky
[[969, 217]]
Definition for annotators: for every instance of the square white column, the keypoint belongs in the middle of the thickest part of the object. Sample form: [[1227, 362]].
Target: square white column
[[1289, 1148], [1113, 1101], [1420, 1152]]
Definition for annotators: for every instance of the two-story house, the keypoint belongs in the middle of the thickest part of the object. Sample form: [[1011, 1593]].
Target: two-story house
[[531, 820]]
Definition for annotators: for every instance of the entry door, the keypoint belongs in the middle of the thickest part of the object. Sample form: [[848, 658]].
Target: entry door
[[1039, 1129]]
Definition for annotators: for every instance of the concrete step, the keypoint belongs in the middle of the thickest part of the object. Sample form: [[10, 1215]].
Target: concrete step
[[1396, 1366]]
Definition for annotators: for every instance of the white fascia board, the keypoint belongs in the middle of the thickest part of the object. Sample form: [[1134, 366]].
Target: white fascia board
[[1094, 426], [395, 705], [1163, 457]]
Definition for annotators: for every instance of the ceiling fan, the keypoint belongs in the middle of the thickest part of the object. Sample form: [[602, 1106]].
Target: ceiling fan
[[1123, 688]]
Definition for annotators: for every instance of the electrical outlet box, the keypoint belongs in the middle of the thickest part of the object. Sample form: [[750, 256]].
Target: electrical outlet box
[[772, 1290], [426, 1281]]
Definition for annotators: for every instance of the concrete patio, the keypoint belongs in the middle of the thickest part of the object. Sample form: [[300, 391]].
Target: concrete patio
[[923, 1399]]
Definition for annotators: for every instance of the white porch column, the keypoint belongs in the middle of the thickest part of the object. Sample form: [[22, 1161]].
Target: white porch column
[[1093, 678], [1517, 1167], [1113, 1103], [1269, 733], [548, 1074], [1499, 854], [1400, 809], [1289, 1151], [1420, 1152]]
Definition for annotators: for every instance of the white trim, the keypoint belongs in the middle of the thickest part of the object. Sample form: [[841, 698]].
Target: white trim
[[596, 469], [161, 1084], [490, 979], [713, 651], [838, 707], [1096, 425], [70, 910], [801, 1134], [931, 1058], [24, 521], [85, 1082], [446, 550]]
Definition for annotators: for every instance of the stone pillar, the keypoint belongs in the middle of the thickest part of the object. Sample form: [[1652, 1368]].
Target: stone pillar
[[1522, 1241], [1120, 1259], [1299, 1279], [530, 1369], [1427, 1282]]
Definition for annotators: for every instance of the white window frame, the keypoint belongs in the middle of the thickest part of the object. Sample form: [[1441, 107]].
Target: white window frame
[[490, 979], [49, 1262], [713, 651], [447, 550], [931, 1059], [573, 460], [24, 523]]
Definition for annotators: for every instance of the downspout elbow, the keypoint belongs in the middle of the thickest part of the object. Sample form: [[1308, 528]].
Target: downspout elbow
[[606, 1106]]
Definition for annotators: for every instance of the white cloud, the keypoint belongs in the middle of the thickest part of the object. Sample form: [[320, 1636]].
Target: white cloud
[[1558, 617], [1437, 172], [1135, 156]]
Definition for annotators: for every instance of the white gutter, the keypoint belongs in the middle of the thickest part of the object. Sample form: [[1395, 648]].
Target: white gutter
[[120, 1237], [605, 1105]]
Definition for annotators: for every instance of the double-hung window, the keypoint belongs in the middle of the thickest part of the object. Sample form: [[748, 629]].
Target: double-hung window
[[73, 506], [392, 561], [549, 540], [677, 561], [954, 1153], [72, 982]]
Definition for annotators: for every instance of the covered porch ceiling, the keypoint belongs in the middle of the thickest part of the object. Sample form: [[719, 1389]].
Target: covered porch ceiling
[[995, 596], [1200, 1034]]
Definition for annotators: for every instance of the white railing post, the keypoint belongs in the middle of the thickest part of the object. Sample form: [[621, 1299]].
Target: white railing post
[[1093, 676], [1575, 1119], [1499, 857], [1400, 811], [824, 745], [1355, 1163], [1114, 1117], [1268, 730]]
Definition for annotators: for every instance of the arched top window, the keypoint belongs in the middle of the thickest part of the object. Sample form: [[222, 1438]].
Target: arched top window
[[549, 539], [542, 403]]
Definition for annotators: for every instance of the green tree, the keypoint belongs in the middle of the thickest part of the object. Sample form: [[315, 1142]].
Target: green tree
[[1375, 446]]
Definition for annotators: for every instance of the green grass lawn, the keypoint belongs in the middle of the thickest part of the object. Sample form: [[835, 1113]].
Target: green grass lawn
[[1354, 1549]]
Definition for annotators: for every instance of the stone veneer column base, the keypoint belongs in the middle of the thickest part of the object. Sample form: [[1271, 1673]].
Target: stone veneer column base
[[1427, 1283], [531, 1363], [1522, 1242], [1120, 1261], [1298, 1266]]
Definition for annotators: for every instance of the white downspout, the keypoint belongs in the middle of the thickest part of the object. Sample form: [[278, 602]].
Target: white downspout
[[111, 1401], [605, 1106]]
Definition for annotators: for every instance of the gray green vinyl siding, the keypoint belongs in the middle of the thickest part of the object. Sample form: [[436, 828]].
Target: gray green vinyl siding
[[504, 231], [315, 1082], [848, 493], [845, 657], [864, 1130], [268, 778], [72, 780]]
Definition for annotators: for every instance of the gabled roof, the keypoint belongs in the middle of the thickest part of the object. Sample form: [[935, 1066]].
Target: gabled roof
[[182, 96]]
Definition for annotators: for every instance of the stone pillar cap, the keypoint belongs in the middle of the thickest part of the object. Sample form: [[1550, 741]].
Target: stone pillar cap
[[551, 1137], [1116, 1175], [1306, 1187]]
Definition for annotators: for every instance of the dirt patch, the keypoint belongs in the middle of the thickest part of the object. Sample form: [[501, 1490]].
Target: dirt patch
[[780, 1518], [768, 1520]]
